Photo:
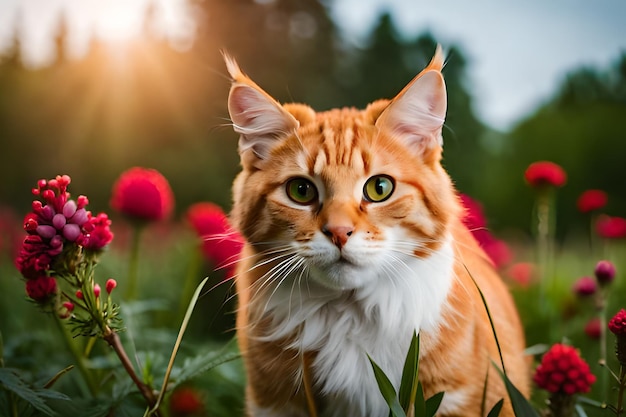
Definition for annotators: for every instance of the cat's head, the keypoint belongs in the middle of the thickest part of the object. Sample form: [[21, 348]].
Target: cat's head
[[341, 196]]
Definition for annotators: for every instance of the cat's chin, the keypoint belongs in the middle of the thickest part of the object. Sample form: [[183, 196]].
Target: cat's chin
[[342, 275]]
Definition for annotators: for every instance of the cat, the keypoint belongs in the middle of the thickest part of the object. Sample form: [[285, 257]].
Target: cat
[[354, 240]]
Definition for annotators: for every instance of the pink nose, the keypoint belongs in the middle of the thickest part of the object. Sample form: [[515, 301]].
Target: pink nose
[[338, 234]]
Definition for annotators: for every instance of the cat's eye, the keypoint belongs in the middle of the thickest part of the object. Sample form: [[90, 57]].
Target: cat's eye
[[378, 188], [301, 191]]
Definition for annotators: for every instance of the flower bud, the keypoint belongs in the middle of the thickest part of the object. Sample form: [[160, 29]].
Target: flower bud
[[69, 306], [585, 286], [96, 290], [605, 272], [110, 285], [69, 209], [45, 231], [71, 232], [79, 294], [58, 221], [617, 326]]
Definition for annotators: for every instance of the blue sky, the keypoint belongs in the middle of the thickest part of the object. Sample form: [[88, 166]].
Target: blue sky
[[518, 51]]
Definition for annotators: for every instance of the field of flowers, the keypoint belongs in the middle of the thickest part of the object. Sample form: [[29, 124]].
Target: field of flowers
[[110, 314]]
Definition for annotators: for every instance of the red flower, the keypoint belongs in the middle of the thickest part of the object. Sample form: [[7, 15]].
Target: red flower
[[592, 328], [585, 286], [42, 288], [611, 227], [545, 173], [617, 325], [143, 194], [605, 272], [563, 370], [97, 233], [220, 243], [522, 272], [110, 285], [186, 402], [473, 217], [591, 200]]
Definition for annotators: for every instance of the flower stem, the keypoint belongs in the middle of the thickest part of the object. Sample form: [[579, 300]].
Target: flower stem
[[193, 271], [78, 357], [621, 390], [133, 264], [113, 339]]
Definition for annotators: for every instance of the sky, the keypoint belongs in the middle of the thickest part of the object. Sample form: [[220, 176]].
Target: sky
[[517, 51]]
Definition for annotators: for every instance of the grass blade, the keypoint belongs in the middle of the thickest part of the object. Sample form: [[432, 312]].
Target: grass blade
[[410, 373], [433, 403], [495, 411], [179, 339], [521, 406], [387, 390]]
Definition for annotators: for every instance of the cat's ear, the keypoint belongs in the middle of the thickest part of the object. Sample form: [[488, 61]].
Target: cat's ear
[[259, 119], [416, 115]]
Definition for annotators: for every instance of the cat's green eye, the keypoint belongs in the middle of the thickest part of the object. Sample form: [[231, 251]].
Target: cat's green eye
[[301, 191], [378, 188]]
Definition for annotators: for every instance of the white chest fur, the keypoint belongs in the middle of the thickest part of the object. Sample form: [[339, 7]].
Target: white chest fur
[[343, 327]]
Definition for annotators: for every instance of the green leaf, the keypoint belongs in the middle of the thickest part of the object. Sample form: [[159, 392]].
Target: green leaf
[[410, 373], [433, 403], [420, 402], [495, 411], [12, 381], [521, 406], [193, 367], [387, 390]]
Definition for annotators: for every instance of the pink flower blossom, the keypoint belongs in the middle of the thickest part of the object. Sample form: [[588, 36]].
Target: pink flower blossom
[[522, 273], [97, 233], [42, 288], [220, 243], [563, 370], [617, 324], [143, 194], [604, 272], [545, 173], [592, 328], [591, 200], [585, 286], [96, 290], [611, 227], [473, 217]]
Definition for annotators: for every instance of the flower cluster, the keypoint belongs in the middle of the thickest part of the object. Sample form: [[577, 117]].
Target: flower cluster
[[604, 274], [562, 370], [57, 227], [617, 326]]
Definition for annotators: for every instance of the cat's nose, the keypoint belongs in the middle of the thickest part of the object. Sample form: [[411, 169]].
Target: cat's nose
[[338, 234]]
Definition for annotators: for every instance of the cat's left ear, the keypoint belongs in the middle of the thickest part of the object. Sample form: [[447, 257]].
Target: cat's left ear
[[416, 115], [259, 119]]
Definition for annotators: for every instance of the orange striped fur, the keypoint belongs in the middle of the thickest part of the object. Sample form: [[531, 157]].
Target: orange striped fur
[[329, 274]]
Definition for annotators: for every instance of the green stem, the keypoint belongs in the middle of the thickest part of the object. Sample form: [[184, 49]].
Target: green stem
[[193, 271], [78, 357], [621, 389], [113, 339], [133, 264]]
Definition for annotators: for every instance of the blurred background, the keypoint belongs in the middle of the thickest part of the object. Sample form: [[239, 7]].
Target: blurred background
[[91, 88]]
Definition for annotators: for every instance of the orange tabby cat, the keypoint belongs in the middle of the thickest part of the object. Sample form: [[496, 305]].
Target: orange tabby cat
[[354, 241]]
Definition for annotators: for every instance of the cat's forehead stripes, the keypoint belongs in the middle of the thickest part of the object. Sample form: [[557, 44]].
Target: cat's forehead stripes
[[339, 142]]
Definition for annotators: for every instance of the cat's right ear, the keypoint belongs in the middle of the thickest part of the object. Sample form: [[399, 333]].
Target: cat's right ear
[[259, 119]]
